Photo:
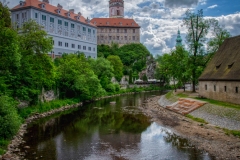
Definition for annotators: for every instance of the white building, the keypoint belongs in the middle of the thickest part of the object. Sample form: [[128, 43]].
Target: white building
[[71, 32]]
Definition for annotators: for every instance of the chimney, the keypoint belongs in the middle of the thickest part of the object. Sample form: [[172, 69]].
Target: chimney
[[79, 13], [59, 6]]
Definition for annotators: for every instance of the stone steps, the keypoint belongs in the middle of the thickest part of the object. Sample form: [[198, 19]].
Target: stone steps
[[185, 105]]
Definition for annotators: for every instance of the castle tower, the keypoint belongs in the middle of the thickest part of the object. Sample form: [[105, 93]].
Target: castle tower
[[116, 9], [179, 39]]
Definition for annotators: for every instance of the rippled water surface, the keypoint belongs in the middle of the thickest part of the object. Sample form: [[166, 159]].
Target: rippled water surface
[[104, 131]]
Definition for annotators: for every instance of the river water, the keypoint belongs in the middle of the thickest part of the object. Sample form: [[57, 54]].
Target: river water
[[104, 131]]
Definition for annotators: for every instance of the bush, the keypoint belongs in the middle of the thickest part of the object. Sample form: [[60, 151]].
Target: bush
[[9, 118], [110, 88], [117, 87]]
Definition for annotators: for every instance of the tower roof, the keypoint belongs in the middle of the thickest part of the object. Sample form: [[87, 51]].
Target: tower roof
[[115, 22], [179, 39]]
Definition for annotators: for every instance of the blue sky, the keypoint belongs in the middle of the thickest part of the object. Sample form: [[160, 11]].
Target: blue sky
[[160, 19]]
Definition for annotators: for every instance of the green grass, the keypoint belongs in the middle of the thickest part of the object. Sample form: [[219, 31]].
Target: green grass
[[169, 95], [196, 119], [219, 103], [233, 132], [3, 146], [182, 95], [44, 107]]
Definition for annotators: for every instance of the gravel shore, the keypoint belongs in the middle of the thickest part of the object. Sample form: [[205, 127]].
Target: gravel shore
[[205, 137]]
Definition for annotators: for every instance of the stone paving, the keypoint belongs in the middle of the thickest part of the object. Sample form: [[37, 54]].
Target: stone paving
[[185, 105]]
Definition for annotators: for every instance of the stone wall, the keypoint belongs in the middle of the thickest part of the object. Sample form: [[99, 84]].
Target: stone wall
[[220, 90]]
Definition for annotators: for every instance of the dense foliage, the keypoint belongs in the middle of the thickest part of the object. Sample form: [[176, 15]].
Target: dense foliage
[[133, 56]]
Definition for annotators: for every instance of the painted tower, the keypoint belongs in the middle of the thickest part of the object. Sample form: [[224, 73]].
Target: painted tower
[[116, 9], [179, 39]]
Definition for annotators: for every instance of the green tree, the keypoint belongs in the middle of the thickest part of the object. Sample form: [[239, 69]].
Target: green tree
[[5, 18], [103, 69], [198, 28], [76, 78], [9, 119], [117, 66], [9, 51], [220, 34], [37, 70]]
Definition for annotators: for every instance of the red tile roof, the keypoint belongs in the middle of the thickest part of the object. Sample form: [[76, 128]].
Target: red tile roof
[[115, 22], [52, 9]]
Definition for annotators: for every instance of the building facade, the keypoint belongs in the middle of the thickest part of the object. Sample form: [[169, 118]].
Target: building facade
[[116, 28], [221, 78], [71, 32]]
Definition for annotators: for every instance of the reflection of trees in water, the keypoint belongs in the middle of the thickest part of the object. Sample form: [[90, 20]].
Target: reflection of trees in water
[[183, 145]]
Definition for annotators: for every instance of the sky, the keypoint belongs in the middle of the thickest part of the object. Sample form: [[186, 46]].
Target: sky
[[160, 19]]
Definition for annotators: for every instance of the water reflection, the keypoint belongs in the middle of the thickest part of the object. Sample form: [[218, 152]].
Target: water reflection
[[104, 131]]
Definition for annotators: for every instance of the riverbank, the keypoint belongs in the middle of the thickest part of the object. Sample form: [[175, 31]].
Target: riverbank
[[205, 137], [13, 151]]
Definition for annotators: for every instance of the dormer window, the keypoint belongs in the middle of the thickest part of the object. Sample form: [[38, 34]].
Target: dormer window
[[120, 23], [132, 24], [107, 23], [69, 14], [59, 11], [43, 6], [22, 3], [230, 65]]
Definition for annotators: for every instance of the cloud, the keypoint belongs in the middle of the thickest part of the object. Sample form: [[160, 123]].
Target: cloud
[[213, 6], [202, 2], [159, 19], [180, 3]]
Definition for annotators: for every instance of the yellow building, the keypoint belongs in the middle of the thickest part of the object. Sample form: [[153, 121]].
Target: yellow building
[[116, 28]]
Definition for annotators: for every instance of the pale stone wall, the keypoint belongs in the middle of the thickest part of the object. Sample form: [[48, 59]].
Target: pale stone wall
[[223, 90], [121, 36]]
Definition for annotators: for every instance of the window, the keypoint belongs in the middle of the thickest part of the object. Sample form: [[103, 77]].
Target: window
[[125, 30], [117, 30], [117, 37], [84, 28], [60, 22], [36, 15], [118, 12], [59, 52], [73, 45], [72, 25], [94, 50], [93, 31], [133, 38], [84, 47], [66, 44], [214, 87], [66, 24], [53, 42], [236, 89], [205, 87], [51, 19], [17, 16], [44, 17], [89, 48], [59, 43], [89, 30], [133, 30], [110, 37], [79, 46], [225, 88]]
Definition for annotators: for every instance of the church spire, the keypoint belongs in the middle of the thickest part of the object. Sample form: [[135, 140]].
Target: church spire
[[179, 39]]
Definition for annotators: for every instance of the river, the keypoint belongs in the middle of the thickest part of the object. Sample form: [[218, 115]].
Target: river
[[105, 131]]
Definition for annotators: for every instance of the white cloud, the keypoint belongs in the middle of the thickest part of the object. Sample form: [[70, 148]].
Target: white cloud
[[202, 2], [159, 23], [213, 6]]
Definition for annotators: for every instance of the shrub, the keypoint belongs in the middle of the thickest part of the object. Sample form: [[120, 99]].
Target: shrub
[[9, 118]]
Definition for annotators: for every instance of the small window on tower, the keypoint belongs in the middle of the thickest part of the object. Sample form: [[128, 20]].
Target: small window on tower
[[118, 12]]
